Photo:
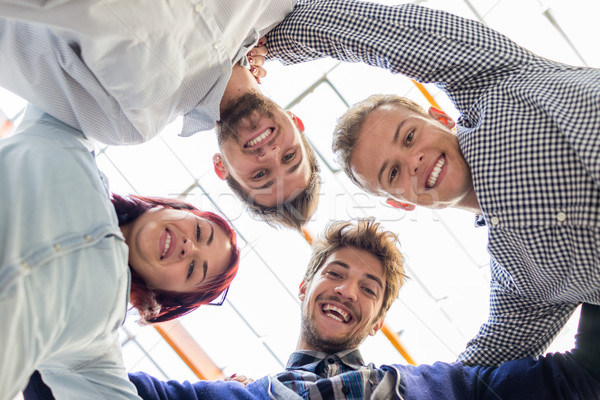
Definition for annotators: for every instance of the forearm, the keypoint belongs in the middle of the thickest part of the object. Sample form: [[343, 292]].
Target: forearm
[[516, 328]]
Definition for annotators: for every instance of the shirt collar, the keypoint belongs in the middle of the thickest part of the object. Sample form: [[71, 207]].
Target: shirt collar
[[308, 360]]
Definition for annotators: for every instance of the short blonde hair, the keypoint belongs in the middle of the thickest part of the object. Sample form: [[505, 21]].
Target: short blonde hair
[[345, 135], [368, 235]]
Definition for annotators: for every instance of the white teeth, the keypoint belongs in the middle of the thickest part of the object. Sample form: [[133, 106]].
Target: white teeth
[[167, 244], [436, 171], [259, 138], [342, 313]]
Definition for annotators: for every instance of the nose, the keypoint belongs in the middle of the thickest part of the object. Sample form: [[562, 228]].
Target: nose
[[347, 290], [414, 163], [267, 153], [188, 248]]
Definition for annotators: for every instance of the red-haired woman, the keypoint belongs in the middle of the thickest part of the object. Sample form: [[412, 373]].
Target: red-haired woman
[[71, 257]]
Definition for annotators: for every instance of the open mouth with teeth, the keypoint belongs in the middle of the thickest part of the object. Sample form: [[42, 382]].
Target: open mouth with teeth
[[336, 313], [166, 245], [432, 180], [258, 140]]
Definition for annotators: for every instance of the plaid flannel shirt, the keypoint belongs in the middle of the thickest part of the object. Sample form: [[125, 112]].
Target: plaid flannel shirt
[[318, 376], [530, 131]]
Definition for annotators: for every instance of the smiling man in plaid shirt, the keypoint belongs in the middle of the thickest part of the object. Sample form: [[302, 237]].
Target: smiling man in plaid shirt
[[526, 157]]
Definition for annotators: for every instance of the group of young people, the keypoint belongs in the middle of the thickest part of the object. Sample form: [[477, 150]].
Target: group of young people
[[524, 159]]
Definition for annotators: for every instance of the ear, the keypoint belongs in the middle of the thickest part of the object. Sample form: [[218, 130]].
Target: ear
[[442, 117], [220, 169], [297, 121], [398, 204], [376, 327], [302, 292]]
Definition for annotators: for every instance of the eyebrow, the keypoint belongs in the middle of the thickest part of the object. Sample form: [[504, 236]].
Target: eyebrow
[[272, 181], [212, 233], [394, 141], [204, 269], [370, 276]]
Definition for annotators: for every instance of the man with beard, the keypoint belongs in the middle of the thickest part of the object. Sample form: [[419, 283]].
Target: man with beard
[[120, 71], [351, 281]]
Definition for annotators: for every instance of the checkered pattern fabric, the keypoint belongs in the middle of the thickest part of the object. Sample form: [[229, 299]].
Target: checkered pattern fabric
[[315, 375], [530, 131]]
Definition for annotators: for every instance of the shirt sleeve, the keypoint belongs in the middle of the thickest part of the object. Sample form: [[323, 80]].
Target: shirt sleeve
[[517, 327], [462, 56], [47, 71], [151, 388]]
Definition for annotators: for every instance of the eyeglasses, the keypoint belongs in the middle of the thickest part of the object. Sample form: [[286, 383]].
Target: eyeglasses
[[220, 299]]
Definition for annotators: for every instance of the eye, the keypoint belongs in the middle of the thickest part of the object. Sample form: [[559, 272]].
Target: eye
[[190, 270], [259, 174], [198, 232], [289, 156], [334, 274], [393, 173], [410, 137], [370, 292]]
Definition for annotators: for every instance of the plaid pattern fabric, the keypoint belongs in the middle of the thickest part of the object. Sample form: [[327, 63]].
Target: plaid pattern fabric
[[529, 129], [320, 376]]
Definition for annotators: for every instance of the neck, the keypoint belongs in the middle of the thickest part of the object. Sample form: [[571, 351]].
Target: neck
[[240, 83], [304, 345]]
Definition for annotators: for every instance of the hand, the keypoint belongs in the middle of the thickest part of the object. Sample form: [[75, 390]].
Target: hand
[[239, 378], [256, 58]]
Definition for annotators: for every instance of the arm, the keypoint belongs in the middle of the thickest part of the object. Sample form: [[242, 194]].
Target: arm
[[425, 44], [551, 377], [516, 328], [151, 388]]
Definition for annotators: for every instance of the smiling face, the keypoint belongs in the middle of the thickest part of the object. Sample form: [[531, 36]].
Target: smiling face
[[341, 305], [412, 158], [262, 150], [175, 250]]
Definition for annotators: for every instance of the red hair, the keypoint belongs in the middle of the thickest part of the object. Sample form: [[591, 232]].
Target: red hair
[[156, 305]]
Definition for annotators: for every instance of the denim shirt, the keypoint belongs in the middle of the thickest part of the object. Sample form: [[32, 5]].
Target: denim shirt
[[64, 275]]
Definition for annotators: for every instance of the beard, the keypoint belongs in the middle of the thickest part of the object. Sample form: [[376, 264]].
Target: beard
[[246, 109], [313, 337]]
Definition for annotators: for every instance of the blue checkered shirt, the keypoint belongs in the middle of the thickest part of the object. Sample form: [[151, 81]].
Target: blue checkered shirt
[[530, 131], [315, 375]]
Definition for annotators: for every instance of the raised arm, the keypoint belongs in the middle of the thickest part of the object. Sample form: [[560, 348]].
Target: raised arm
[[425, 44], [516, 328]]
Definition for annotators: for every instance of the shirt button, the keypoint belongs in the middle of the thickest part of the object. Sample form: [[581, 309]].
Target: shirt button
[[88, 238], [216, 45], [330, 360], [57, 247], [345, 390], [199, 7], [25, 266], [495, 221], [561, 216]]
